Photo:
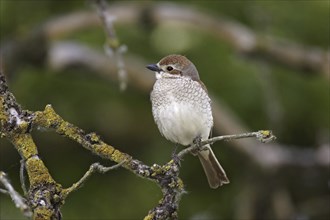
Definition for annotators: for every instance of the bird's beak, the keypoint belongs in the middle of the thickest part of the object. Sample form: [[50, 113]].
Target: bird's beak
[[153, 67]]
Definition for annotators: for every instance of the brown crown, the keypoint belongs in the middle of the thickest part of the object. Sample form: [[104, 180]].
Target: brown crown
[[175, 59]]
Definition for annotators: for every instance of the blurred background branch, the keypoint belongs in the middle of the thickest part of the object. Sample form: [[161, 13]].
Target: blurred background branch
[[62, 55], [240, 37], [112, 46], [266, 65]]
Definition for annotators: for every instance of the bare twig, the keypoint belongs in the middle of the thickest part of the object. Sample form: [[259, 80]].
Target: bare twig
[[95, 167], [263, 136], [4, 191], [15, 196], [22, 176]]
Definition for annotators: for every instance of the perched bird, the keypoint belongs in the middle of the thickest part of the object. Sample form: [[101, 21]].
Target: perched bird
[[182, 110]]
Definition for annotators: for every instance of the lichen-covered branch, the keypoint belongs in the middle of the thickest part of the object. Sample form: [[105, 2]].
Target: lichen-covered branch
[[166, 176], [45, 196], [16, 127]]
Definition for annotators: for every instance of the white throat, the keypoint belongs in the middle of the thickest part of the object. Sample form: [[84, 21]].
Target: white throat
[[162, 74]]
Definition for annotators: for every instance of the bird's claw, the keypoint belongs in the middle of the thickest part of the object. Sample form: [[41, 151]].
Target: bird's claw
[[175, 156]]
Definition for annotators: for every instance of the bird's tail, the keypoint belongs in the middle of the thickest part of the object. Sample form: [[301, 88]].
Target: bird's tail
[[215, 174]]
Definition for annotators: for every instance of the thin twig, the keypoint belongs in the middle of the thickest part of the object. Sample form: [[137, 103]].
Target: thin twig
[[22, 177], [95, 167], [4, 191], [263, 136], [15, 196]]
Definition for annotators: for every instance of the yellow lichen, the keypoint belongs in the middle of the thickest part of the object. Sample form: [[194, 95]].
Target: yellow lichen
[[156, 169], [3, 115], [105, 150], [24, 145], [47, 117], [167, 167], [265, 136], [43, 213], [117, 156], [94, 137], [265, 132], [150, 216], [37, 172], [180, 184]]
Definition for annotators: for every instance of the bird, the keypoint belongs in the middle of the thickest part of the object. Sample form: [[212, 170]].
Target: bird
[[181, 108]]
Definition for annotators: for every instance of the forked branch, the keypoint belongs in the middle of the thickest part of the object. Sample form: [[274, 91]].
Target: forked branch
[[45, 196]]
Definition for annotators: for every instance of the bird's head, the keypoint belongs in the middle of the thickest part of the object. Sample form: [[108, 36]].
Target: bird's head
[[173, 66]]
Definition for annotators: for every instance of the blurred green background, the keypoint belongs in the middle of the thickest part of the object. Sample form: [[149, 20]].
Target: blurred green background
[[124, 119]]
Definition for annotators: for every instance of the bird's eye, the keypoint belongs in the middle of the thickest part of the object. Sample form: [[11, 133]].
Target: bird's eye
[[169, 68]]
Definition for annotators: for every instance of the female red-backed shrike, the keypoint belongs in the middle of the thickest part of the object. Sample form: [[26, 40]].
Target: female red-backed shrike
[[182, 110]]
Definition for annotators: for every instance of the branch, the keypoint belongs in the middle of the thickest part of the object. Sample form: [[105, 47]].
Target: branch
[[112, 46], [305, 58], [15, 196], [237, 35], [63, 54], [263, 136], [22, 177], [166, 176], [46, 196], [95, 167]]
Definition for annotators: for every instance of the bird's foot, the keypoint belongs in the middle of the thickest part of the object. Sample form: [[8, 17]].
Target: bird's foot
[[197, 141], [175, 156]]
